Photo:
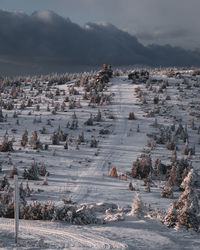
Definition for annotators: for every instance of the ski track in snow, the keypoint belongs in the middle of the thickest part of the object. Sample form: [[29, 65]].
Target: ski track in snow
[[112, 149], [63, 236]]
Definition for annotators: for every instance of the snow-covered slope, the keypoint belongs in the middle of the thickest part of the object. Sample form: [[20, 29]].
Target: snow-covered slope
[[80, 174]]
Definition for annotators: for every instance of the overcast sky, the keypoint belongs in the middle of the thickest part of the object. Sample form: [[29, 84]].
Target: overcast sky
[[153, 21]]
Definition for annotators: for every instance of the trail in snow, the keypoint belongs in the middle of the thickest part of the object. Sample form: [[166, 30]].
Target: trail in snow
[[114, 150], [62, 235]]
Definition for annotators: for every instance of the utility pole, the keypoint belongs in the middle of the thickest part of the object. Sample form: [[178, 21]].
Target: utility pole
[[16, 207]]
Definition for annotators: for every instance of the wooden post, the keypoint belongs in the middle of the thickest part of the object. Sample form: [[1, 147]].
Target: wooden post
[[16, 207]]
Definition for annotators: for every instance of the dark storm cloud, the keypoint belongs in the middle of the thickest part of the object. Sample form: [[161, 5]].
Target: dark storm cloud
[[45, 38], [164, 35], [160, 33], [135, 16]]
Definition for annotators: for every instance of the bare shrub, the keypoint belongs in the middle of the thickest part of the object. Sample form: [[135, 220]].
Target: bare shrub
[[131, 116], [32, 172]]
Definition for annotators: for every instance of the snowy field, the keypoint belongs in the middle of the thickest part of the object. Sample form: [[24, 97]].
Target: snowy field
[[80, 155]]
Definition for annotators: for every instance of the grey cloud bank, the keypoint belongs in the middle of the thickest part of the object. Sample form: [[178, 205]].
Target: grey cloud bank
[[153, 17], [47, 40]]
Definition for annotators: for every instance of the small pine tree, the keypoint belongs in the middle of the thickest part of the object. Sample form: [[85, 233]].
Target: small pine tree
[[148, 187], [113, 173], [138, 128], [43, 170], [174, 156], [138, 207], [45, 180], [186, 210], [131, 116], [130, 186], [24, 140], [55, 138], [4, 182], [93, 143], [97, 118], [170, 218], [6, 146], [89, 122], [27, 190], [35, 141], [66, 145], [167, 191], [189, 180], [1, 115], [185, 148], [32, 172]]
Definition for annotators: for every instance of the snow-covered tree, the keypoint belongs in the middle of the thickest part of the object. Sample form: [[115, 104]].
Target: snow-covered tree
[[24, 140], [138, 208], [170, 219], [186, 210], [32, 172], [167, 191]]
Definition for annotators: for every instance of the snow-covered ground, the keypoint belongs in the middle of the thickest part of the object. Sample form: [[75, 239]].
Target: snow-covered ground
[[129, 234], [81, 175]]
